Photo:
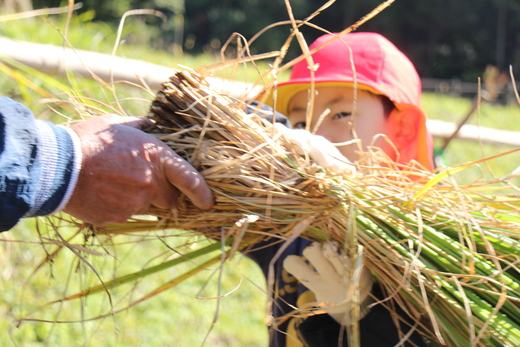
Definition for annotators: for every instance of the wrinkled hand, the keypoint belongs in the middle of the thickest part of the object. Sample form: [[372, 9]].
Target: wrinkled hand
[[125, 171], [325, 276], [321, 150]]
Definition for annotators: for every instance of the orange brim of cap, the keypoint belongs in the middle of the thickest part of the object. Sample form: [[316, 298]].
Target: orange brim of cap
[[284, 92]]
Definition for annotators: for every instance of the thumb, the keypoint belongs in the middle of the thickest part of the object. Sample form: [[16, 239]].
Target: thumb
[[187, 179], [177, 170]]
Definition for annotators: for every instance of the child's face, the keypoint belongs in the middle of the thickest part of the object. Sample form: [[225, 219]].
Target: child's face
[[367, 117]]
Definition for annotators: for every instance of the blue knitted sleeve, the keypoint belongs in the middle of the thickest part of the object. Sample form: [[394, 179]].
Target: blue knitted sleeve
[[39, 164]]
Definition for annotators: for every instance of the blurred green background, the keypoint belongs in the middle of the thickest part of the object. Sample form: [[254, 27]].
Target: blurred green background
[[177, 317], [444, 38]]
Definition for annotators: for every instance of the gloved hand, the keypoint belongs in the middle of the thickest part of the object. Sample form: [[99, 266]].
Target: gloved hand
[[326, 277], [321, 150]]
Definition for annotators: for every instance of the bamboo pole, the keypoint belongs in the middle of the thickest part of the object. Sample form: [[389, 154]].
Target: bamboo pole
[[56, 60]]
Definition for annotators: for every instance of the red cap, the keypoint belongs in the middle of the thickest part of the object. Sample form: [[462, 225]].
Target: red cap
[[379, 67]]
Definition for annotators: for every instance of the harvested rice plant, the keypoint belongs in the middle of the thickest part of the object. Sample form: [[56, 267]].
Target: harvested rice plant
[[444, 251]]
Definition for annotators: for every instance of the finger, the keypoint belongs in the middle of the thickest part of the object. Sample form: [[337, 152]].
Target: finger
[[188, 180], [325, 154], [314, 253], [130, 121], [304, 273], [331, 254], [141, 123]]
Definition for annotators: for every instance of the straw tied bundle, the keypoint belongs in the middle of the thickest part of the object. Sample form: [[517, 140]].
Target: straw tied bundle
[[445, 255]]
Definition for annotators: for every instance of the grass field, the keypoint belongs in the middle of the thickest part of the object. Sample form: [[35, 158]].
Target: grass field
[[173, 318], [176, 317], [495, 116]]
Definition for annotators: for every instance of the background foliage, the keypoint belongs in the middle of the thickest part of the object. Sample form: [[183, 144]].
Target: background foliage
[[444, 38]]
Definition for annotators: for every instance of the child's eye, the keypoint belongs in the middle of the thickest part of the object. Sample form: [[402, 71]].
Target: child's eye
[[300, 125], [342, 115]]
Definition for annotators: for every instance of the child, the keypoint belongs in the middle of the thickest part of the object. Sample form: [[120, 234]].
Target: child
[[364, 86], [388, 93]]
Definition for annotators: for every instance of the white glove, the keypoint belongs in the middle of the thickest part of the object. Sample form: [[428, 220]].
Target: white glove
[[328, 280], [321, 150]]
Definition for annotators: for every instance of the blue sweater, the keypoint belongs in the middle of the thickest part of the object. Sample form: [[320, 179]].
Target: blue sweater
[[39, 164]]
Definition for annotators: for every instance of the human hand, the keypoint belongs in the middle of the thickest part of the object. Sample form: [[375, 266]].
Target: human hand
[[321, 150], [325, 276], [125, 171]]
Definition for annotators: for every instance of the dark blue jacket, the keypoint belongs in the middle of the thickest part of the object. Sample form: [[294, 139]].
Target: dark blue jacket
[[39, 164]]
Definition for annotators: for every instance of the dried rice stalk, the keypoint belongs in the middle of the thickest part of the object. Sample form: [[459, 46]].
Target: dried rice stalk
[[440, 252], [250, 167]]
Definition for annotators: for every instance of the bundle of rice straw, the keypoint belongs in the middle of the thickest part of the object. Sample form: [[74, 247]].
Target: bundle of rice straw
[[445, 254]]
